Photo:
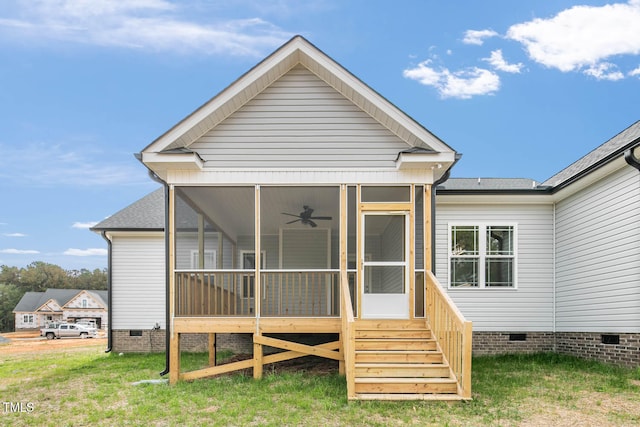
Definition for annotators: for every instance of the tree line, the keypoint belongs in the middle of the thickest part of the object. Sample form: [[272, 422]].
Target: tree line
[[38, 277]]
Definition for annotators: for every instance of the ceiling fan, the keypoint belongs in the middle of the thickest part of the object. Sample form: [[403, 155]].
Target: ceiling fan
[[305, 217]]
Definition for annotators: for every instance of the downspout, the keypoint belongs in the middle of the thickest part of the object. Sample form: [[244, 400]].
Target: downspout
[[167, 321], [109, 296]]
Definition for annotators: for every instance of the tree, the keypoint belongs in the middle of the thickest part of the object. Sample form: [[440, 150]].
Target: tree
[[38, 277]]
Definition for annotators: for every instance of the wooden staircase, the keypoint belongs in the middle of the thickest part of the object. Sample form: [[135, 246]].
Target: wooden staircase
[[400, 360]]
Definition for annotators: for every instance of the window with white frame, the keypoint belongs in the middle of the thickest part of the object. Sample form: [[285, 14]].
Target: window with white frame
[[482, 256], [209, 259], [27, 318]]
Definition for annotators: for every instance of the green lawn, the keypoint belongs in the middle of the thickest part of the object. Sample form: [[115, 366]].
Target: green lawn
[[89, 387]]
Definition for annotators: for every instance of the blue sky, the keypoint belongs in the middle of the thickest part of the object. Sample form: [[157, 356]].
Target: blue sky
[[520, 88]]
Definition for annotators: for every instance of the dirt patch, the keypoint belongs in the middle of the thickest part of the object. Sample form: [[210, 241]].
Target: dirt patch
[[311, 364], [32, 344]]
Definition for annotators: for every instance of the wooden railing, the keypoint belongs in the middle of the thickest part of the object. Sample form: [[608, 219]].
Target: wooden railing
[[308, 293], [348, 334], [214, 293], [452, 331]]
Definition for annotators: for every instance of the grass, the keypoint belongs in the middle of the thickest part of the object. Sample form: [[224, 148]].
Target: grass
[[88, 387]]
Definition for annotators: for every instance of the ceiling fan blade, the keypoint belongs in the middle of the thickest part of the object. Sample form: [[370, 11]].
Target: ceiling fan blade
[[295, 220], [312, 224], [322, 218], [284, 213]]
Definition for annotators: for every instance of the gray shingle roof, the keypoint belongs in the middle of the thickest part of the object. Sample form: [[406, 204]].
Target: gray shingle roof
[[144, 214], [30, 301], [612, 148], [483, 184]]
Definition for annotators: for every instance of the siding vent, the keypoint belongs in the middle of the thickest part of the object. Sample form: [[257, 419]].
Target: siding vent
[[135, 333], [517, 337], [610, 339]]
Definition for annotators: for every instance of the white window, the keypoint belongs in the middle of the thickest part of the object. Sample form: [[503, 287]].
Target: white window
[[209, 260], [84, 303], [482, 255], [27, 318]]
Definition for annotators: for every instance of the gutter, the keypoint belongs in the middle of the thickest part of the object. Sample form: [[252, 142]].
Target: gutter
[[167, 326], [109, 294], [434, 186]]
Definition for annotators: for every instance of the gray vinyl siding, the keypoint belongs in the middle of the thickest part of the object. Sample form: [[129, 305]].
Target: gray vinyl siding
[[529, 307], [299, 122], [598, 256], [138, 282]]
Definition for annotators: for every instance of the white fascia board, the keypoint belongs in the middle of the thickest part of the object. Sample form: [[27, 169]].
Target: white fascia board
[[135, 233], [493, 199]]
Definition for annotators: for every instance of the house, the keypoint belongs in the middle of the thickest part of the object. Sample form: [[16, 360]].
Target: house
[[299, 202], [35, 310]]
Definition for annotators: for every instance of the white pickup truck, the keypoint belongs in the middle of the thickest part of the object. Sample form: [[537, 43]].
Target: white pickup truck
[[67, 330]]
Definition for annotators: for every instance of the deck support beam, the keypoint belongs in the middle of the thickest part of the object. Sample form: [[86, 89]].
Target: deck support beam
[[212, 349]]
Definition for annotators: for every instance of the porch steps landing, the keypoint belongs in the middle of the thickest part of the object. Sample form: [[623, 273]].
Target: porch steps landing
[[400, 360]]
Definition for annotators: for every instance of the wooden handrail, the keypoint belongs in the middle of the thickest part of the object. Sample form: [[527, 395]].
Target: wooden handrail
[[348, 334], [453, 332]]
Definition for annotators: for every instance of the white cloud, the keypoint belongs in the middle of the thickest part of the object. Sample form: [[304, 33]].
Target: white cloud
[[477, 37], [54, 164], [14, 235], [84, 225], [462, 84], [582, 37], [140, 24], [19, 251], [604, 71], [499, 63], [86, 252], [635, 72]]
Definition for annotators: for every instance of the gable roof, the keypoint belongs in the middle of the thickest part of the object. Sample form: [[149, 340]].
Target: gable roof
[[628, 138], [144, 214], [32, 301], [173, 146]]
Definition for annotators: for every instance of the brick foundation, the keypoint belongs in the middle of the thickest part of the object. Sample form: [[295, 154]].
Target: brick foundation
[[488, 343], [154, 341], [589, 345]]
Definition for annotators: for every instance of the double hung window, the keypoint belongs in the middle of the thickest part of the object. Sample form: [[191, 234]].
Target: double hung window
[[482, 256]]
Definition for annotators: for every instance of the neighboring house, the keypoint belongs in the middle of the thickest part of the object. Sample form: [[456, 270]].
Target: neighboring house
[[37, 309], [299, 201]]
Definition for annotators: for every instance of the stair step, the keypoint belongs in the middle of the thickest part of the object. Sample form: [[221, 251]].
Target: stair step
[[395, 344], [402, 370], [398, 356], [393, 333], [387, 385], [377, 324], [446, 397]]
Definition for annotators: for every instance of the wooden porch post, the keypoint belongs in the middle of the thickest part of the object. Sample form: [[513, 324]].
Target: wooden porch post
[[257, 348], [174, 342], [343, 261]]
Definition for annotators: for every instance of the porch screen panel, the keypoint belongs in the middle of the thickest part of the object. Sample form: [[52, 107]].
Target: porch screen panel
[[300, 227], [214, 226]]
